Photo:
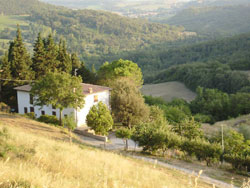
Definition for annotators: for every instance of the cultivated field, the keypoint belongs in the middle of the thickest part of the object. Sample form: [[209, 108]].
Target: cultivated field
[[169, 91], [34, 154]]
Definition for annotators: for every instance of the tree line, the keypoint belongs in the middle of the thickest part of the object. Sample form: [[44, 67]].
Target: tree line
[[208, 75]]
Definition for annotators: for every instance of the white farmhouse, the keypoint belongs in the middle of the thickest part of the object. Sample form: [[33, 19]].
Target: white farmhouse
[[93, 95]]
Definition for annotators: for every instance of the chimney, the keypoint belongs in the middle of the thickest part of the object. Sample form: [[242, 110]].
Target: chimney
[[90, 90]]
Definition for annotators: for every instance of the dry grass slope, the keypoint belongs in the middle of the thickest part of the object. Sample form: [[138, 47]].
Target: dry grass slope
[[41, 156], [169, 91]]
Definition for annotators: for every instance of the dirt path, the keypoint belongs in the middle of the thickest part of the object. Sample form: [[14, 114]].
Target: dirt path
[[203, 177]]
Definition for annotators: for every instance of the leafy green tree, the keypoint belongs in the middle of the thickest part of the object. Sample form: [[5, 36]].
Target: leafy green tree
[[60, 90], [20, 62], [189, 128], [127, 103], [157, 115], [174, 114], [39, 59], [109, 72], [125, 134], [100, 119]]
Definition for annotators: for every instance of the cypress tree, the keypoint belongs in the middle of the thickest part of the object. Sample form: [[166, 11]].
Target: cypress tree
[[20, 61], [5, 72], [39, 59], [64, 58], [51, 54]]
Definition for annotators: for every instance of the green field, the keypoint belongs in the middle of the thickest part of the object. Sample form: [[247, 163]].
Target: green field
[[169, 91], [12, 21]]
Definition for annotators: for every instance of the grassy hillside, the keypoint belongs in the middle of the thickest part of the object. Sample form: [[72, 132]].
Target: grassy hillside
[[222, 20], [168, 91], [37, 155]]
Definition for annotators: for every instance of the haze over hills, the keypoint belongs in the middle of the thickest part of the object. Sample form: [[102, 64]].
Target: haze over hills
[[220, 20]]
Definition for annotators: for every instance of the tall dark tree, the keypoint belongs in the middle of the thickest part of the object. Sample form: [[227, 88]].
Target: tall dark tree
[[51, 54], [5, 74], [20, 61], [39, 60], [65, 64]]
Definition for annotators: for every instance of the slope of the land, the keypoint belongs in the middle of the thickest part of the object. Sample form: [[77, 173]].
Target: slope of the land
[[37, 155], [222, 20], [169, 91]]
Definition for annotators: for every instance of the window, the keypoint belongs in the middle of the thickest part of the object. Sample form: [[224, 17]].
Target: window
[[31, 109], [25, 110], [54, 113], [95, 98], [65, 115], [53, 107], [43, 112], [31, 99]]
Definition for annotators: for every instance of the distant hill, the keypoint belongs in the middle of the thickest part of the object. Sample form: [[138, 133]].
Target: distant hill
[[233, 51], [19, 7], [219, 20], [88, 32]]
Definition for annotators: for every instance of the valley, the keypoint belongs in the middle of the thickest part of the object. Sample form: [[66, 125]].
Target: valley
[[163, 75]]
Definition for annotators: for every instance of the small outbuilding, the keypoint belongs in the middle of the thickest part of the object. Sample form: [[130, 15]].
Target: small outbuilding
[[93, 95]]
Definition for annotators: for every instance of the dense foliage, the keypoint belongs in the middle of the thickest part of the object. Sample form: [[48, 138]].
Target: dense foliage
[[219, 105], [208, 75]]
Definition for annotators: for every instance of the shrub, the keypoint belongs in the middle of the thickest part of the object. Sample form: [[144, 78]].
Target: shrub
[[100, 119], [4, 107], [49, 119], [30, 115]]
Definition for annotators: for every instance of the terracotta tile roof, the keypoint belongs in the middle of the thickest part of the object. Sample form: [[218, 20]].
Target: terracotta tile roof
[[85, 87]]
